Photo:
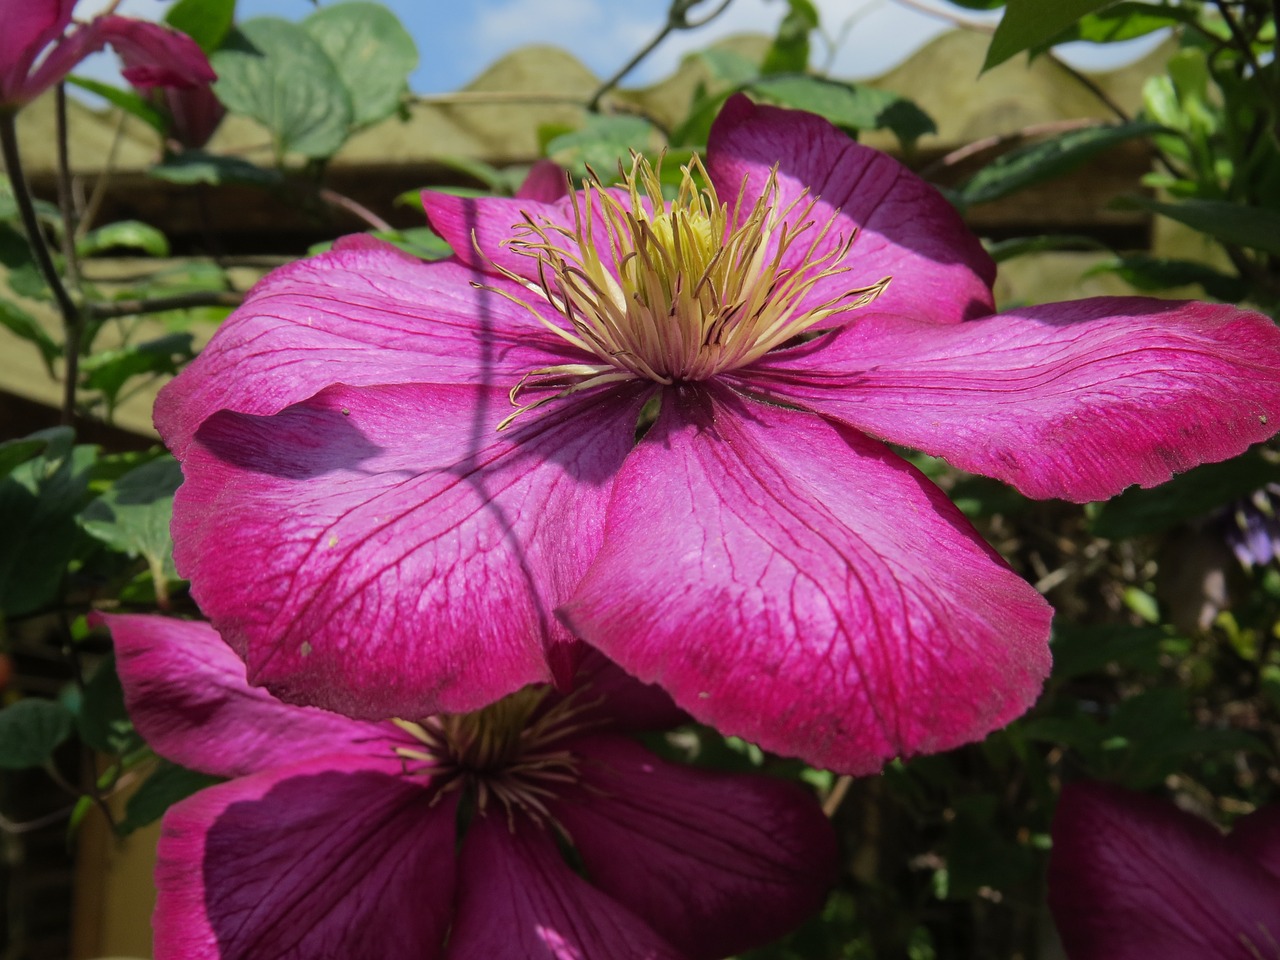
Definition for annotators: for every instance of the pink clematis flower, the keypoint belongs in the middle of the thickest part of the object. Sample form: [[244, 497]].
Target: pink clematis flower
[[338, 839], [379, 448], [1135, 878], [153, 55]]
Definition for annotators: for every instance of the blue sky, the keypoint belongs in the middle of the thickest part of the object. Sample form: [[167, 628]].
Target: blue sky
[[459, 38]]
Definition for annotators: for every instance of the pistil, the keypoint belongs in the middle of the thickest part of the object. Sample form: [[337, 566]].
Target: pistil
[[510, 752], [677, 292]]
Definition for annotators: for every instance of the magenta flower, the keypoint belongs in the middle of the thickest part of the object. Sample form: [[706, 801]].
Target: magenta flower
[[153, 55], [1135, 878], [374, 525], [337, 839]]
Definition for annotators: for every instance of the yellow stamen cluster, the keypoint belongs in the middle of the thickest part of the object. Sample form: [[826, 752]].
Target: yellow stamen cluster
[[510, 752], [680, 291]]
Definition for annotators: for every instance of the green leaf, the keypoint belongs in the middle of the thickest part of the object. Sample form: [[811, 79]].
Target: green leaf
[[1192, 494], [1122, 21], [167, 784], [45, 211], [1232, 223], [133, 515], [196, 166], [1080, 650], [789, 52], [30, 730], [496, 179], [207, 22], [848, 105], [39, 500], [983, 497], [16, 452], [22, 324], [728, 66], [601, 144], [1029, 23], [979, 852], [1045, 160], [1003, 250], [126, 234], [23, 275], [109, 370], [372, 53], [103, 722], [276, 73], [127, 100], [1160, 273]]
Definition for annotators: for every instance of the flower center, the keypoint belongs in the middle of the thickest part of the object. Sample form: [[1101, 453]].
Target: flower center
[[678, 291], [510, 753]]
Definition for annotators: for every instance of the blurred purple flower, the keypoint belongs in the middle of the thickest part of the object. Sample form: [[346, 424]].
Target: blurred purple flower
[[1135, 878], [338, 839], [1252, 528], [37, 51], [759, 551]]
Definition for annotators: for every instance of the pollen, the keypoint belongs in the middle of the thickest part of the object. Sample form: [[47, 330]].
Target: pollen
[[680, 290]]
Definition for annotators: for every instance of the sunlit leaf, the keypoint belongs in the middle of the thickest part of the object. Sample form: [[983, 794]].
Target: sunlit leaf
[[789, 52], [848, 105], [133, 515], [1046, 159], [22, 324], [276, 73], [372, 52], [109, 370], [1234, 223], [600, 144], [1029, 23], [207, 22], [124, 234], [127, 100]]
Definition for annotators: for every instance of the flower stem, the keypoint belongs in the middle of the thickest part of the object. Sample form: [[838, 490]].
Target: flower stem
[[677, 19], [72, 320]]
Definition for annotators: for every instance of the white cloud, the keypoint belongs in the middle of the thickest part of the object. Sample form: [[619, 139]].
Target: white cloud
[[601, 37]]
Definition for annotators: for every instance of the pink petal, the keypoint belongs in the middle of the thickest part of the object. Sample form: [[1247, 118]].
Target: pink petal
[[29, 27], [187, 695], [195, 113], [1257, 837], [318, 861], [361, 314], [905, 229], [546, 182], [1074, 400], [518, 900], [716, 863], [624, 703], [794, 583], [476, 227], [1132, 878], [155, 55], [383, 551]]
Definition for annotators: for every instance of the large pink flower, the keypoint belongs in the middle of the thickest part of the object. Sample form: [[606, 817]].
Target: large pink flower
[[358, 478], [337, 839], [1135, 878], [153, 55]]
